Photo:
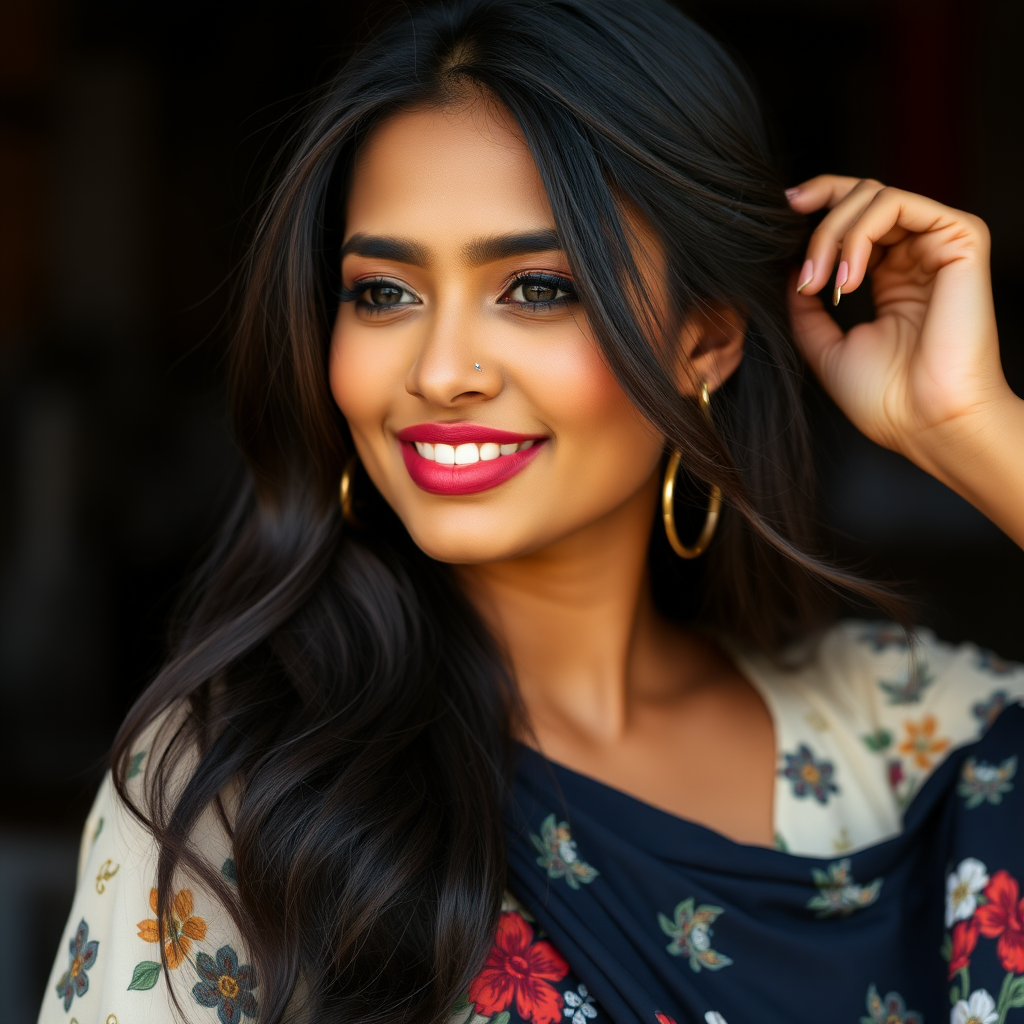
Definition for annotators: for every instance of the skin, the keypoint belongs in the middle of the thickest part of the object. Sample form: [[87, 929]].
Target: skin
[[555, 557], [924, 377]]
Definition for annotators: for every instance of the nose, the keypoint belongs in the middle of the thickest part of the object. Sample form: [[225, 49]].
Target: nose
[[452, 367]]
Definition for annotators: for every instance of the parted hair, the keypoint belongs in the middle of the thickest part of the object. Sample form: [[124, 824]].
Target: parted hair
[[336, 676]]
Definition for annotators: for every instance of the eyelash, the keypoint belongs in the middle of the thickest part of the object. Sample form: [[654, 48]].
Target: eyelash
[[554, 281]]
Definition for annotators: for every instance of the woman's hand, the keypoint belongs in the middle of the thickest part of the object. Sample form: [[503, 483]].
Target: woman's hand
[[924, 377]]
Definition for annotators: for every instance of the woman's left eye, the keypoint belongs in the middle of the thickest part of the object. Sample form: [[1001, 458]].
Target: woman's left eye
[[539, 290]]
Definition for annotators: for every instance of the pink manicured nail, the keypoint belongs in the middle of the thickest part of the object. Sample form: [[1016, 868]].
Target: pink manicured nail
[[806, 275], [791, 192], [841, 275]]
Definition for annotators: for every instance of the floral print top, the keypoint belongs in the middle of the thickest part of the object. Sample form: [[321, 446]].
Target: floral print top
[[107, 968], [863, 721], [860, 725]]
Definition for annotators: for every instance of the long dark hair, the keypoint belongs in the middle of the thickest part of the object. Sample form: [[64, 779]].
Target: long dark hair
[[337, 676]]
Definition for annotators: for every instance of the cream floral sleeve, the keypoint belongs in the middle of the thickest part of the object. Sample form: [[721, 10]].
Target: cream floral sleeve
[[107, 969]]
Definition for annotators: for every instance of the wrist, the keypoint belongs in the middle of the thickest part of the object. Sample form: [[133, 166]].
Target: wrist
[[980, 455], [956, 449]]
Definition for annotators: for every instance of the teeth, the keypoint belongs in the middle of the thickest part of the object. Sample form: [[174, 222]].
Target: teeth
[[467, 454]]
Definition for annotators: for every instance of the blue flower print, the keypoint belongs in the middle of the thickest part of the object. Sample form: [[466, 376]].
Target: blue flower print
[[907, 690], [987, 711], [74, 981], [890, 1010], [225, 985], [989, 661], [982, 782], [883, 635], [808, 775]]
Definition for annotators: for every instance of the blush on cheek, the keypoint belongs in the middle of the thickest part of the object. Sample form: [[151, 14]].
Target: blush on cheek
[[582, 392], [340, 379], [358, 382]]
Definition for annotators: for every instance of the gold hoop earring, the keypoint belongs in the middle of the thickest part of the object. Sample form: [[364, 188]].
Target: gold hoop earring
[[345, 490], [668, 494]]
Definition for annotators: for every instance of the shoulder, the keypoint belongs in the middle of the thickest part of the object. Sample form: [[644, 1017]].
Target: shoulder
[[875, 670], [863, 714], [109, 962], [893, 674]]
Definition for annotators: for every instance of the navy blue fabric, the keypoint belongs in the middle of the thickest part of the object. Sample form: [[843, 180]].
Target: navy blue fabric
[[790, 964]]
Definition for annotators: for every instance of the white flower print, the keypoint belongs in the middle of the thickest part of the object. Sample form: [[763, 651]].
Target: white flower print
[[980, 1008], [579, 1005], [962, 888], [714, 1017]]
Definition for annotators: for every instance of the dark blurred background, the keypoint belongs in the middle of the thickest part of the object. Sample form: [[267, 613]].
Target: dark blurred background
[[134, 144]]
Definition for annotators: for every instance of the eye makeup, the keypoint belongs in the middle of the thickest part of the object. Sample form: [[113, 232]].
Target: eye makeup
[[539, 291]]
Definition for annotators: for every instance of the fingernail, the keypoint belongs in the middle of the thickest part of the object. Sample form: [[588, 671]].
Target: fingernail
[[806, 275], [790, 192], [841, 275]]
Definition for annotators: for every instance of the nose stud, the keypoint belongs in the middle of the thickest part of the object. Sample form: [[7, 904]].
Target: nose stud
[[476, 366]]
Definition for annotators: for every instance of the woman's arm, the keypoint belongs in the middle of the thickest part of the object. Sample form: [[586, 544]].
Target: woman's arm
[[924, 377], [108, 966]]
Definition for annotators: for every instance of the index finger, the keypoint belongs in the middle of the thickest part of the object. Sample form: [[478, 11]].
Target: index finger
[[824, 191]]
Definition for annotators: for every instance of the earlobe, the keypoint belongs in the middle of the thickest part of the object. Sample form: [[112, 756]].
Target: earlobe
[[711, 344]]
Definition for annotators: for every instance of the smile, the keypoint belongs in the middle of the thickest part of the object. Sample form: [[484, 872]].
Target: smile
[[464, 458], [468, 453]]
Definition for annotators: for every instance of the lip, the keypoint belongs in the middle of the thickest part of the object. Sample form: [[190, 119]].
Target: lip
[[478, 476], [463, 432]]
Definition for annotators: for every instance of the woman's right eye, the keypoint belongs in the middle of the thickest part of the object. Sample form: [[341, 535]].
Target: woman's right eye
[[386, 294], [378, 295]]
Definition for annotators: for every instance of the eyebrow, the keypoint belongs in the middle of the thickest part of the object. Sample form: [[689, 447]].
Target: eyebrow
[[385, 247], [477, 253], [503, 247]]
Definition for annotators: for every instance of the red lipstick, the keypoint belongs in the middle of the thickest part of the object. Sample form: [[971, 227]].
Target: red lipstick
[[441, 478]]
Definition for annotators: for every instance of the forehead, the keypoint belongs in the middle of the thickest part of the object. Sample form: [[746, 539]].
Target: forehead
[[446, 174]]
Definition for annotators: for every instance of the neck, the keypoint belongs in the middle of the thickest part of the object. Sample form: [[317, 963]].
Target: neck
[[577, 622]]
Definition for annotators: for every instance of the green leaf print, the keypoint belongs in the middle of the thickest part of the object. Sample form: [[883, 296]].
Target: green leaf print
[[1015, 998], [879, 740], [145, 976]]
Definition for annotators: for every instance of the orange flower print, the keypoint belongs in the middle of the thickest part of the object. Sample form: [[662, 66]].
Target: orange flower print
[[921, 742], [180, 927]]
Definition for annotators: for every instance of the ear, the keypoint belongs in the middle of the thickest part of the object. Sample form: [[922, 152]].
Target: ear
[[711, 346]]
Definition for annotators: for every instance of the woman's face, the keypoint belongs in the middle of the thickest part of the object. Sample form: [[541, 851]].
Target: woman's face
[[476, 394]]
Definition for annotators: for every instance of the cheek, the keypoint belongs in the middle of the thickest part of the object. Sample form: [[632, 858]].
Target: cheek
[[360, 379], [592, 417]]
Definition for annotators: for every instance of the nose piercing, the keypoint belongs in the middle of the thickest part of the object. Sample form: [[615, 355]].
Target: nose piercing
[[476, 365]]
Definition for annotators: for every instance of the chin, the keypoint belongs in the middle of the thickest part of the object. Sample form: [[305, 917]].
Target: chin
[[458, 548]]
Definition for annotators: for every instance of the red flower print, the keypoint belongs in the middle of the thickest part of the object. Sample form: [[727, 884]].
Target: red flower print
[[519, 968], [1003, 917], [965, 938]]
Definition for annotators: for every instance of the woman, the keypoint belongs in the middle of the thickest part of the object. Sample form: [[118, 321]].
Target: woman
[[475, 742]]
